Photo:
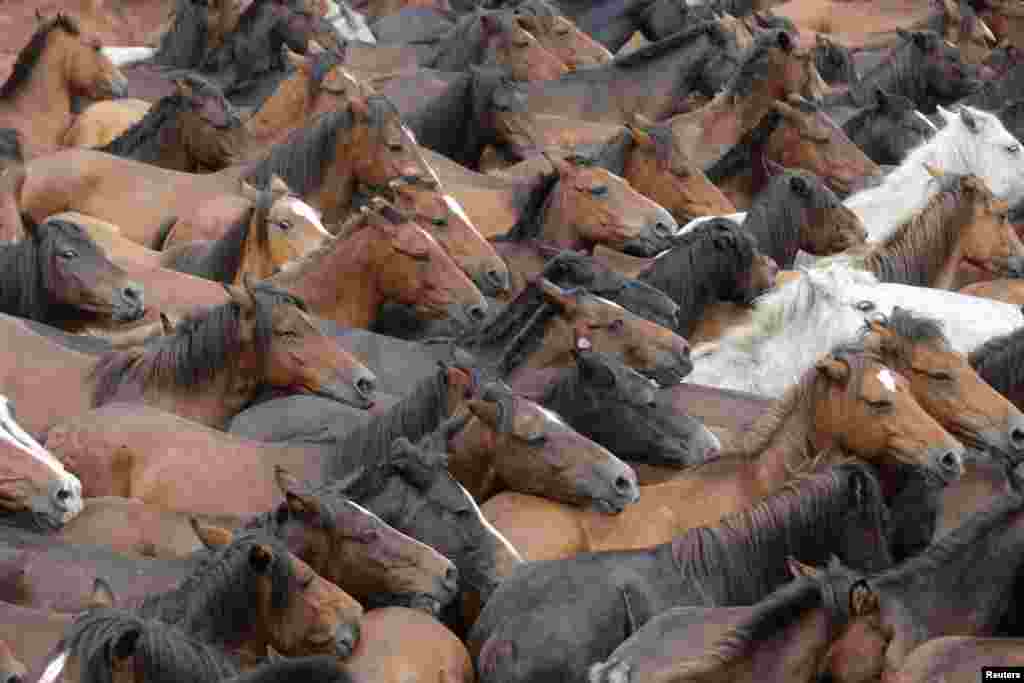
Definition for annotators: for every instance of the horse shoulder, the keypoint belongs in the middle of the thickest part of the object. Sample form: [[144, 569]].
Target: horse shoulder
[[539, 529]]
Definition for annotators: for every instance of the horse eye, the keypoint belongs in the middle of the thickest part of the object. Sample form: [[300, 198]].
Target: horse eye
[[1012, 149], [616, 325], [68, 254], [464, 513], [537, 439], [285, 225], [884, 404], [599, 191], [440, 222], [941, 376], [865, 306]]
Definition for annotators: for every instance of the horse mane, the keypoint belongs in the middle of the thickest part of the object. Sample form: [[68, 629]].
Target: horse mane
[[417, 414], [641, 56], [250, 16], [184, 44], [31, 53], [768, 619], [214, 602], [225, 255], [776, 217], [26, 270], [896, 105], [163, 653], [702, 266], [914, 329], [145, 131], [531, 215], [203, 345], [929, 235], [755, 65], [737, 158], [10, 145], [1000, 361], [301, 161], [320, 669]]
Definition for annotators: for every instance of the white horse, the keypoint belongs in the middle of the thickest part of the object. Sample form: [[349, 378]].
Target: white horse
[[972, 141], [795, 324], [349, 23]]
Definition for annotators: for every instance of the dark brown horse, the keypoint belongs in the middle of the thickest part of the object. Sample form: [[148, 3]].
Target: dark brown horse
[[57, 64], [58, 275]]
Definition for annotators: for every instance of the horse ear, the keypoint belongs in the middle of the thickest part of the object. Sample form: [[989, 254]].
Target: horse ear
[[212, 537], [240, 295], [833, 368], [641, 137], [488, 412], [249, 192], [260, 557], [299, 504], [798, 569], [946, 114], [165, 324], [882, 98], [102, 595], [565, 300], [933, 171], [921, 40], [863, 600], [970, 122], [296, 60], [273, 655], [798, 184], [278, 187]]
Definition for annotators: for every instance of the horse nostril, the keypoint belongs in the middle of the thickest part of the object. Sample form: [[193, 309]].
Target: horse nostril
[[1017, 436], [132, 293], [950, 462], [662, 230], [623, 484], [477, 312], [63, 495], [365, 386], [496, 278]]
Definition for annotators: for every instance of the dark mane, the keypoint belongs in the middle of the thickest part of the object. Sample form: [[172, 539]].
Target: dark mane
[[918, 248], [640, 57], [416, 415], [10, 145], [215, 602], [322, 669], [224, 258], [534, 208], [755, 64], [163, 653], [707, 264], [509, 339], [27, 277], [744, 555], [184, 44], [777, 217], [899, 72], [1000, 361], [737, 159], [145, 131], [30, 54], [302, 159], [203, 346], [612, 154]]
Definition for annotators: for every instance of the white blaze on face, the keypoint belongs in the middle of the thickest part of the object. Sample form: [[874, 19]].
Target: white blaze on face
[[54, 668], [456, 208], [303, 209], [12, 433], [887, 380]]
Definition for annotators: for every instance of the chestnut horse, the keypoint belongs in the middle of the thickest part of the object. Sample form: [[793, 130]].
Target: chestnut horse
[[564, 39], [214, 364], [12, 177], [365, 142], [849, 405], [517, 51], [34, 483], [102, 122], [57, 64], [58, 275]]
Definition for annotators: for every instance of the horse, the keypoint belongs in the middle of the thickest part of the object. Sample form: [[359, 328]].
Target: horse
[[781, 638], [961, 236], [517, 51], [272, 234], [910, 612], [35, 484], [12, 177], [261, 336], [973, 142], [959, 658], [772, 69], [834, 62], [11, 670], [782, 442], [362, 142], [102, 122], [563, 38], [57, 274], [543, 326], [717, 261], [443, 217], [960, 25], [889, 128], [57, 64], [192, 131], [393, 259], [602, 598]]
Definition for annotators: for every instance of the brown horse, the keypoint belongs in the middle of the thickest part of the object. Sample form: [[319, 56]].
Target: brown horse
[[960, 237], [364, 142], [59, 276], [565, 40], [11, 669], [772, 70], [102, 122], [849, 405], [378, 256], [517, 51], [279, 229], [57, 64], [961, 26], [958, 659], [212, 366], [12, 177], [32, 481], [1008, 291], [443, 217]]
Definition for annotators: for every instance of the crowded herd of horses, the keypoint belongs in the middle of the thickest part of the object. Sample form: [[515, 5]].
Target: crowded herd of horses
[[514, 341]]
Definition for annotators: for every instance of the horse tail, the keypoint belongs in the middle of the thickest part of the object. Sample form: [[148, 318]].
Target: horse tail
[[163, 233]]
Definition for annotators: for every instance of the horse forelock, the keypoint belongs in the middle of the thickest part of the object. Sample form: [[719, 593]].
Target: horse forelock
[[163, 653]]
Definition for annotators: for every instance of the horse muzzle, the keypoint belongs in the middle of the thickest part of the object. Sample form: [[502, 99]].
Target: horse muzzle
[[946, 463], [357, 392], [655, 238]]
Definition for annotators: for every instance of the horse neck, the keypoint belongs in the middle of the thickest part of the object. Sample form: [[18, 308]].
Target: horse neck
[[283, 111], [931, 262], [45, 99], [776, 228], [338, 282], [557, 226], [555, 350]]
